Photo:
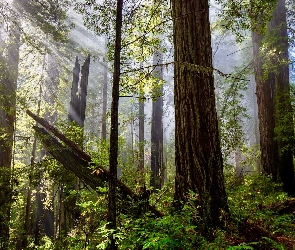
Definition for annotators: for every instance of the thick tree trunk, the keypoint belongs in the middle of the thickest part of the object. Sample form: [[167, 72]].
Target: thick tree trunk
[[198, 158], [8, 86], [284, 129], [265, 103], [157, 161], [274, 105], [78, 98]]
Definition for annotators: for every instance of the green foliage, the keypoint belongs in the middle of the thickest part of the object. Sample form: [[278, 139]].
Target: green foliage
[[247, 200], [145, 25], [173, 231], [233, 113], [241, 247], [242, 16], [251, 157], [274, 244]]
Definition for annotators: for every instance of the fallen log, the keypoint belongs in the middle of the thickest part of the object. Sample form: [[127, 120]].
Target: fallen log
[[77, 161]]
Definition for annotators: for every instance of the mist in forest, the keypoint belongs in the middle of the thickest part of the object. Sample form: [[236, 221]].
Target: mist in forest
[[210, 166]]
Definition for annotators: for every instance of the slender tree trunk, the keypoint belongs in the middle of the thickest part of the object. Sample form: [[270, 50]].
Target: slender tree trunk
[[157, 161], [198, 158], [255, 114], [104, 100], [113, 158], [140, 167], [27, 226], [83, 86], [74, 103], [8, 86], [238, 168]]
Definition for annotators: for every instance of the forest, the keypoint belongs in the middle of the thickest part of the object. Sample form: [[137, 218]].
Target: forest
[[147, 124]]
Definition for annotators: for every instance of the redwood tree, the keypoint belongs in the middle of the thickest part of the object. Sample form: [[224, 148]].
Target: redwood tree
[[273, 96], [157, 161], [198, 159]]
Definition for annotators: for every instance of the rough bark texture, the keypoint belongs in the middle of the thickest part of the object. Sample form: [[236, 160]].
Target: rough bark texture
[[284, 129], [198, 158], [83, 86], [78, 98], [157, 161], [274, 105], [265, 103], [113, 157], [8, 86]]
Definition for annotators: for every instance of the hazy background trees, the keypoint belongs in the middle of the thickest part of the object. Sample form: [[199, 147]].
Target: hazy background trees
[[40, 41]]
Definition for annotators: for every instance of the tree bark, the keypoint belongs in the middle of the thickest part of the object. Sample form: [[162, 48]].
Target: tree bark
[[113, 157], [141, 143], [157, 161], [74, 103], [104, 100], [83, 86], [274, 104], [284, 129], [198, 158], [265, 103]]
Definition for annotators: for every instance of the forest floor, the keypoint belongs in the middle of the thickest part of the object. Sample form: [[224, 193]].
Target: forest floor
[[265, 222], [259, 235], [262, 217]]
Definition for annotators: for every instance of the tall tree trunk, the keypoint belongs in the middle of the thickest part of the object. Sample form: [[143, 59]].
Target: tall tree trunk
[[274, 104], [104, 100], [140, 167], [265, 103], [74, 103], [157, 161], [238, 167], [198, 158], [8, 86], [83, 86], [284, 129], [113, 157], [255, 114]]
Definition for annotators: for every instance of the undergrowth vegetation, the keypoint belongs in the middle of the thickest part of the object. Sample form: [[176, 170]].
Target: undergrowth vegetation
[[261, 217]]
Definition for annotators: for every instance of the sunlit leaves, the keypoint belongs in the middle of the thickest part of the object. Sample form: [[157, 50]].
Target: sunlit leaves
[[144, 24], [239, 16]]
